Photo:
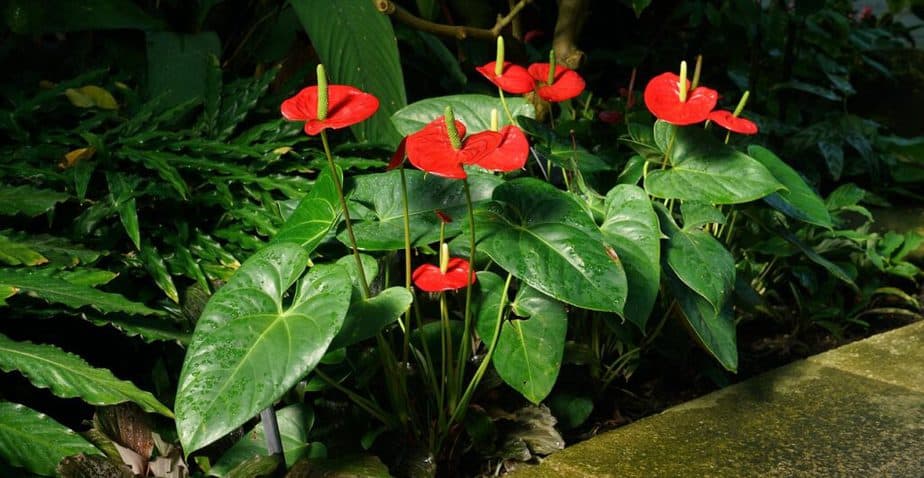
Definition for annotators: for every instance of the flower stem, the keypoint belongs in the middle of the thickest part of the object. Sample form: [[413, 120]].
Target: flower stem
[[470, 390], [503, 100], [364, 403], [407, 264], [346, 215], [464, 347]]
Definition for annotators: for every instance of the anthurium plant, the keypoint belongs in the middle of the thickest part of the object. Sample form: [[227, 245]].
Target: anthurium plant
[[315, 275]]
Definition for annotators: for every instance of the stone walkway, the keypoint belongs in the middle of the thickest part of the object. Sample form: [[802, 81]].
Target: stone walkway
[[856, 411]]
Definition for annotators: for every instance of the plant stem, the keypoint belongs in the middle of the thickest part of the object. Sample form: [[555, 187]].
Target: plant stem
[[464, 347], [273, 440], [500, 92], [346, 215], [476, 379], [407, 265], [364, 403]]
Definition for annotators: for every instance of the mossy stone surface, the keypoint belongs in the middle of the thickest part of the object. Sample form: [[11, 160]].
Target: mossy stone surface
[[854, 411]]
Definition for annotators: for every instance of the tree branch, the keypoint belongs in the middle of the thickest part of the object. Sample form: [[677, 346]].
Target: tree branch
[[571, 16], [455, 31]]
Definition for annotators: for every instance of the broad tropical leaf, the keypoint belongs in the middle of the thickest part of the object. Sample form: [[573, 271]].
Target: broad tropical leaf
[[315, 215], [703, 169], [67, 375], [250, 347], [378, 202], [798, 201], [700, 261], [714, 330], [546, 239], [472, 110], [630, 225], [529, 350], [32, 440]]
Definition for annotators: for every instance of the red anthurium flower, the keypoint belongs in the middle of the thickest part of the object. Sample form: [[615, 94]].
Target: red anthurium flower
[[735, 124], [513, 79], [662, 97], [346, 107], [398, 157], [444, 218], [429, 278], [510, 154], [565, 85], [431, 150]]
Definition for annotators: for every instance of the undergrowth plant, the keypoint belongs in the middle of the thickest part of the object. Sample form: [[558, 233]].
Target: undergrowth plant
[[481, 276]]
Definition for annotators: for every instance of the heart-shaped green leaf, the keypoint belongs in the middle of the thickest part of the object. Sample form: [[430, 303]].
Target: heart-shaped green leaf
[[700, 261], [696, 214], [378, 202], [703, 169], [33, 441], [315, 215], [367, 317], [713, 330], [546, 239], [474, 111], [249, 347], [529, 352], [630, 225], [798, 201]]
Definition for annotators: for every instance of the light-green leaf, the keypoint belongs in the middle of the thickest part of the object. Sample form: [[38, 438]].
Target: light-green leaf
[[27, 200], [294, 423], [696, 213], [357, 45], [67, 375], [700, 261], [61, 291], [546, 239], [703, 169], [315, 215], [529, 350], [630, 225], [474, 111], [32, 440], [798, 201], [249, 347]]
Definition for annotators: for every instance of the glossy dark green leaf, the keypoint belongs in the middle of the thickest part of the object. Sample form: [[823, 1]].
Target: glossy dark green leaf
[[149, 329], [159, 162], [472, 110], [703, 169], [379, 205], [247, 330], [357, 45], [663, 132], [32, 440], [349, 466], [93, 466], [121, 189], [59, 251], [315, 215], [529, 350], [546, 239], [798, 201], [714, 330], [639, 6], [630, 226], [368, 317], [696, 214], [700, 261], [817, 258], [633, 170], [295, 421], [27, 200], [834, 158], [68, 376], [60, 291]]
